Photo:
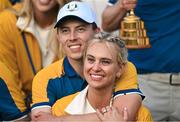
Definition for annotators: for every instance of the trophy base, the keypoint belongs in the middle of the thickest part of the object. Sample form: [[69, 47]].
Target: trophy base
[[133, 32], [137, 46]]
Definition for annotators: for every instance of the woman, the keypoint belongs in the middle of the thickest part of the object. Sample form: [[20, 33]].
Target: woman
[[105, 59], [26, 38]]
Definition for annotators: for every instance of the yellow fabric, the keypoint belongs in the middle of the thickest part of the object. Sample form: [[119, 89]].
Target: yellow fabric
[[40, 82], [128, 79], [144, 115], [4, 4], [59, 107], [13, 52], [13, 87]]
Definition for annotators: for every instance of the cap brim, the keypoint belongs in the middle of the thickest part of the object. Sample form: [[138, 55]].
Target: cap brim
[[63, 18]]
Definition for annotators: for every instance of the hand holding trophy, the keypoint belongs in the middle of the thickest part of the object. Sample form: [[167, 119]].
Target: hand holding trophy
[[132, 31]]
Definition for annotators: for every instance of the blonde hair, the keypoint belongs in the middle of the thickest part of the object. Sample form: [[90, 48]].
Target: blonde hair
[[107, 38], [27, 11]]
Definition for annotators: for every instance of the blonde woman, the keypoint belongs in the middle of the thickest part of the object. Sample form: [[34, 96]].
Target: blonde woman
[[105, 60], [26, 38]]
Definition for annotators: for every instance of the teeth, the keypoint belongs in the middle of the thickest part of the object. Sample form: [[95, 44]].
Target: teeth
[[96, 76], [75, 46], [44, 1]]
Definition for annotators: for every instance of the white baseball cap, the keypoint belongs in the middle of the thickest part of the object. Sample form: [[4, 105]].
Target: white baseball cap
[[77, 9]]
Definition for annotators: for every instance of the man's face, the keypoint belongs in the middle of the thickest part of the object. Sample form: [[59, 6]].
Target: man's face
[[73, 35]]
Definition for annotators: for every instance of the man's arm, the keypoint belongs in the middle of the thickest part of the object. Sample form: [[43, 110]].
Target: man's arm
[[39, 96], [113, 15], [133, 104], [35, 112], [43, 116], [131, 101], [127, 84], [40, 99]]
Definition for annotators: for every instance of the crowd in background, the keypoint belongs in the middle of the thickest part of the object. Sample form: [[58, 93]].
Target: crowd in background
[[50, 48]]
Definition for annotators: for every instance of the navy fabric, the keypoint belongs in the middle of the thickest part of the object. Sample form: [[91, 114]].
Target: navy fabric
[[8, 109], [112, 1], [69, 83], [129, 91], [15, 1], [161, 18]]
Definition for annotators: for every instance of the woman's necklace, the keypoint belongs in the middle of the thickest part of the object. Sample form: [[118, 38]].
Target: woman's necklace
[[112, 97]]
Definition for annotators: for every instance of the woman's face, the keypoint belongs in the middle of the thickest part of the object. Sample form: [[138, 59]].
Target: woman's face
[[44, 5], [100, 65]]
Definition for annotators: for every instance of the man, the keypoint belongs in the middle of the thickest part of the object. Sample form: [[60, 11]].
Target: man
[[158, 66], [76, 24]]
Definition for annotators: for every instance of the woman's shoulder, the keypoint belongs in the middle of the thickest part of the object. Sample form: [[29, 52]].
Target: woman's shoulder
[[9, 16]]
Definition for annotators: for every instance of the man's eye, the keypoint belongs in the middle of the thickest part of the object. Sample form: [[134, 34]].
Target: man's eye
[[81, 30], [64, 31]]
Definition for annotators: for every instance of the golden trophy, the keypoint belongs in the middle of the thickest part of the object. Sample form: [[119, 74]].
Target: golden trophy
[[132, 31]]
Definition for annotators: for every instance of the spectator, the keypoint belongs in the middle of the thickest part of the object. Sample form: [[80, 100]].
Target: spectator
[[98, 6], [12, 105], [26, 37], [159, 66]]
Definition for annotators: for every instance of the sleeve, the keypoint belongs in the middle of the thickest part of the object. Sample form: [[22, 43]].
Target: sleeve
[[42, 90], [39, 91], [112, 2], [8, 37], [58, 108], [12, 99], [144, 115], [128, 83], [60, 105], [4, 4]]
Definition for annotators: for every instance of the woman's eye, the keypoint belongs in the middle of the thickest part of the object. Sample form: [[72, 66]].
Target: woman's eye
[[105, 62], [90, 60]]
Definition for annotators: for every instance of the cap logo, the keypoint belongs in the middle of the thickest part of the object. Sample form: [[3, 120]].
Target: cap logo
[[72, 7]]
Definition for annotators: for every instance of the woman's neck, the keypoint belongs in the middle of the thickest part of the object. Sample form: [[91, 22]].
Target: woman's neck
[[45, 19], [99, 98]]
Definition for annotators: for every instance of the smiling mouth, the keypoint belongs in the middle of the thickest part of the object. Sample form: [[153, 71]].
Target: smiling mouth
[[74, 46], [44, 2], [96, 77]]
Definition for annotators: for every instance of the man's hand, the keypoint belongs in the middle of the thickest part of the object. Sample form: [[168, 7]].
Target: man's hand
[[36, 112], [128, 4], [44, 116]]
